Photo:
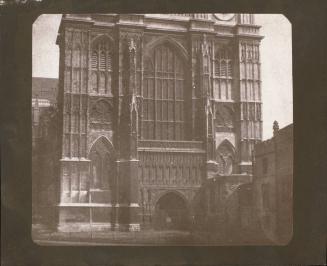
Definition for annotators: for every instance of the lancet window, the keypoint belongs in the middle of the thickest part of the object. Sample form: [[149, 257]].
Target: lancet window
[[101, 66], [223, 64]]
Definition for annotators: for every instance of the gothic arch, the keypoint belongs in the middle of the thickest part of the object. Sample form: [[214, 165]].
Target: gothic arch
[[102, 167], [164, 93], [176, 192], [172, 43], [225, 157], [101, 37], [107, 143], [171, 211], [223, 51], [223, 62], [101, 63], [106, 101], [228, 144]]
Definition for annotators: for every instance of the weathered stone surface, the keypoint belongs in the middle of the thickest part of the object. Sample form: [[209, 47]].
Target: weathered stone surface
[[154, 108]]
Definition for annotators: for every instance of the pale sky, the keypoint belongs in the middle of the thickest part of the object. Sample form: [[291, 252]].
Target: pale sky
[[276, 63]]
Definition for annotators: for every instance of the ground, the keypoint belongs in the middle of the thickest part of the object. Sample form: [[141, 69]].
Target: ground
[[44, 236]]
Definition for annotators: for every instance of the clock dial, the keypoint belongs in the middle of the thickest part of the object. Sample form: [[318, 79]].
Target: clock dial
[[224, 16]]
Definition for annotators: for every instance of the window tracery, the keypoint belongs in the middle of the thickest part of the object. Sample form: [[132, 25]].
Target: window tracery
[[223, 74], [163, 104], [223, 64], [101, 67]]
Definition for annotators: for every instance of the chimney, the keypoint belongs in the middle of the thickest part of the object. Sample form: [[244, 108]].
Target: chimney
[[36, 111], [275, 127]]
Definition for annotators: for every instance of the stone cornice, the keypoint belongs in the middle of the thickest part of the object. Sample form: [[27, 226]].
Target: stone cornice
[[168, 23]]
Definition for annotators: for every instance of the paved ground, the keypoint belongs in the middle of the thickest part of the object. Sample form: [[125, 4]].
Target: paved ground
[[45, 236]]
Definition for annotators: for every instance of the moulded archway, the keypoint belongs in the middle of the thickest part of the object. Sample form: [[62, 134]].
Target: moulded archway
[[171, 212], [225, 157], [166, 40], [102, 171]]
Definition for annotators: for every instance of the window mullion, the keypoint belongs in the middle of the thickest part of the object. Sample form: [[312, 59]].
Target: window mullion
[[155, 96], [106, 71], [175, 78], [98, 69], [101, 173]]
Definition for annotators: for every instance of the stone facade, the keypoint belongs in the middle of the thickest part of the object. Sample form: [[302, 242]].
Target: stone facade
[[273, 184], [151, 107], [254, 208]]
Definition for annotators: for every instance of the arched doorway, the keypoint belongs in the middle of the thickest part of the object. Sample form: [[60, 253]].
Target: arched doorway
[[171, 213], [103, 171]]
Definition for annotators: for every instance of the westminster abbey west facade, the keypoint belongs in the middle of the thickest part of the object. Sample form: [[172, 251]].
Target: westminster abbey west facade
[[152, 106]]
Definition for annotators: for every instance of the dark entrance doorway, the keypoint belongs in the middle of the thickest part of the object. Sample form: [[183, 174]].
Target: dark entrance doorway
[[171, 213]]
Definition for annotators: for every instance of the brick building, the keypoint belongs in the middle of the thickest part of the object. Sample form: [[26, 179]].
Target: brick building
[[150, 107]]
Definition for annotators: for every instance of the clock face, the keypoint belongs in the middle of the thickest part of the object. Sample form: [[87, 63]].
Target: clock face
[[224, 16]]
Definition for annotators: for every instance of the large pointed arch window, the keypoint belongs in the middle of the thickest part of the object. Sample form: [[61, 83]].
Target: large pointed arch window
[[101, 66], [163, 93]]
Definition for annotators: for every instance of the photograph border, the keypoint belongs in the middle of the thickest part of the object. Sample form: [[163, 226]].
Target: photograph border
[[309, 97]]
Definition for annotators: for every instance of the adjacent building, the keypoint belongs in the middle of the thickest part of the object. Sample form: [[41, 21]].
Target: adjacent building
[[44, 141], [254, 208], [273, 184], [44, 97]]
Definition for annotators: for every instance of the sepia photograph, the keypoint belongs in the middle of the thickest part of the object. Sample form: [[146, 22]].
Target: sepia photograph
[[163, 133], [162, 129]]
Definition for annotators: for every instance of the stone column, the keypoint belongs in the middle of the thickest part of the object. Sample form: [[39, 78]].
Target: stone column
[[128, 186], [206, 108]]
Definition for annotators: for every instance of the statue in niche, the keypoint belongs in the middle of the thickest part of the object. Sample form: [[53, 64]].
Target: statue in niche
[[224, 117], [225, 158]]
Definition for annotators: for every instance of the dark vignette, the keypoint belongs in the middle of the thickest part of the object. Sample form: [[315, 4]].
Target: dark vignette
[[309, 23]]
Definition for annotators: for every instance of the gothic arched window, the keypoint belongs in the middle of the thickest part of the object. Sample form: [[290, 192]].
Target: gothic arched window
[[163, 92], [223, 64], [101, 66], [102, 169], [94, 62]]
